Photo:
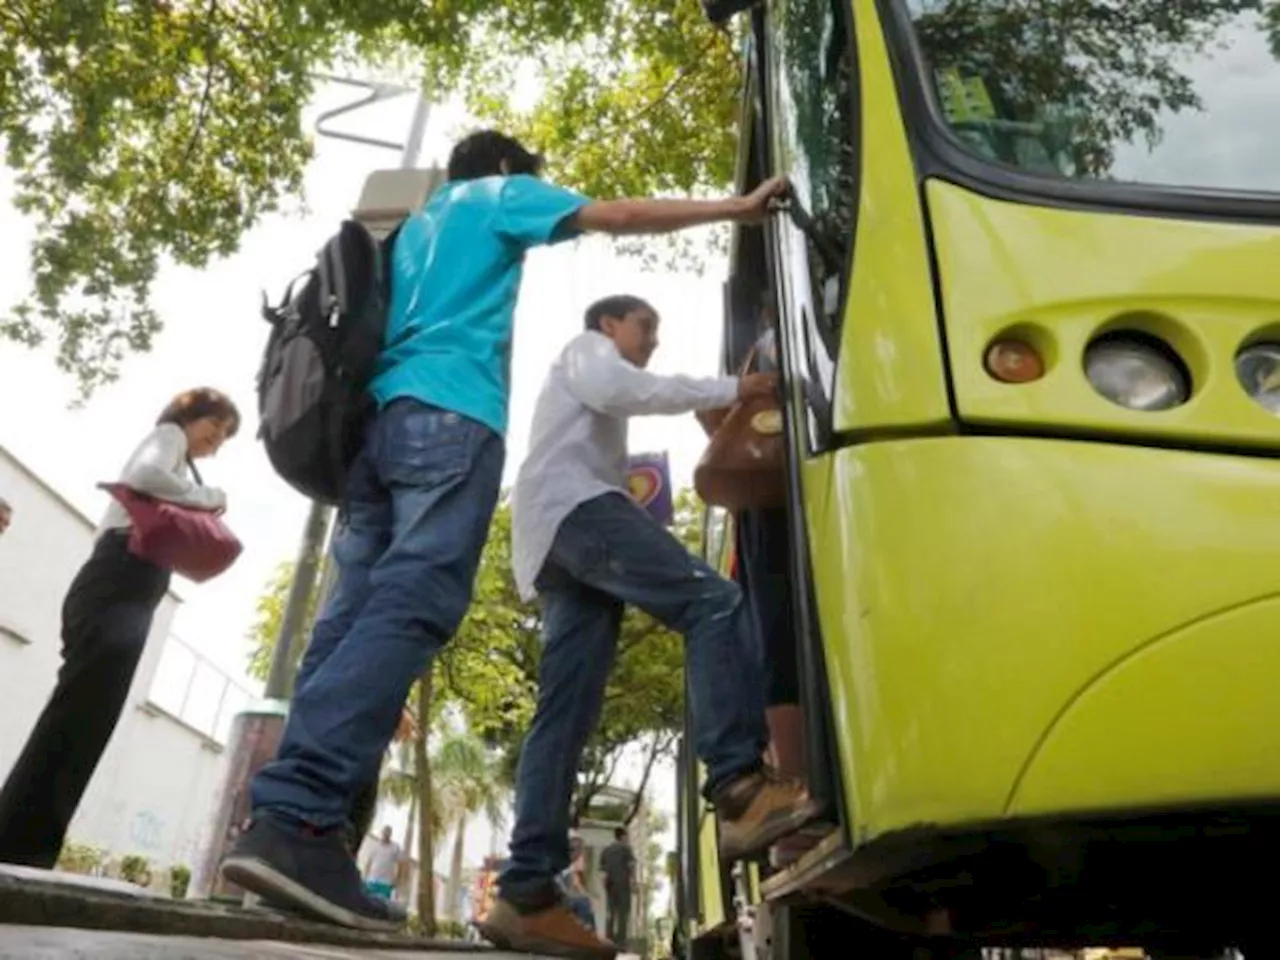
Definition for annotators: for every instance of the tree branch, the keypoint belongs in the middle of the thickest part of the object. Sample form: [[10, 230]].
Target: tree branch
[[654, 751], [210, 51], [595, 783]]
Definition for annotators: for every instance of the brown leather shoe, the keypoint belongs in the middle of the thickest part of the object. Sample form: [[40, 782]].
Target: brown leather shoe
[[758, 809], [553, 932]]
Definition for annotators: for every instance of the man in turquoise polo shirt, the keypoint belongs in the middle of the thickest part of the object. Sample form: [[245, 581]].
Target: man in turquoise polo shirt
[[420, 498]]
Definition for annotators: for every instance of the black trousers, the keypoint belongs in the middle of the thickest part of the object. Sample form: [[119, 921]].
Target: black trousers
[[617, 913], [764, 551], [106, 617]]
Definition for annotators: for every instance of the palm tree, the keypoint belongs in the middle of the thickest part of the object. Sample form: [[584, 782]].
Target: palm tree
[[468, 783], [408, 781], [398, 784]]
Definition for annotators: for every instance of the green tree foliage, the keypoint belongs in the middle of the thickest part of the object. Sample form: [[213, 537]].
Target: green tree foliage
[[468, 783], [164, 129], [268, 615]]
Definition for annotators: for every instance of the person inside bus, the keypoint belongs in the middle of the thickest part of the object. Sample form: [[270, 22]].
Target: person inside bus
[[763, 551], [587, 549]]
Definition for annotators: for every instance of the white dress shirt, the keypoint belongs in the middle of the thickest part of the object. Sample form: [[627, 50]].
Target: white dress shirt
[[578, 442]]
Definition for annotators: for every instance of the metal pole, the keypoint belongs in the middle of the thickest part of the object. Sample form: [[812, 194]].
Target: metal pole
[[293, 624], [417, 130]]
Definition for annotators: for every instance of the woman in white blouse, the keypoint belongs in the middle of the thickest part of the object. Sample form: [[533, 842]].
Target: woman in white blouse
[[106, 618]]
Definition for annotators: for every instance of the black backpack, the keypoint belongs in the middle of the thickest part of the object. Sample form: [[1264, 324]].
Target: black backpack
[[326, 336]]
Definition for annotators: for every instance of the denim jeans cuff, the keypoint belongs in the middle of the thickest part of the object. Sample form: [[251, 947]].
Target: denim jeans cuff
[[715, 785], [531, 896]]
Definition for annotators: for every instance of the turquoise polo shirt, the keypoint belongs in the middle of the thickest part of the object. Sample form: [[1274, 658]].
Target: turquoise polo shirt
[[456, 270]]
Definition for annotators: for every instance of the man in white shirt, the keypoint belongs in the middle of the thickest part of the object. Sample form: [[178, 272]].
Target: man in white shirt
[[588, 549], [382, 865]]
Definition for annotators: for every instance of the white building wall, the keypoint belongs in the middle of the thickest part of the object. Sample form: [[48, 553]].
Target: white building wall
[[154, 790]]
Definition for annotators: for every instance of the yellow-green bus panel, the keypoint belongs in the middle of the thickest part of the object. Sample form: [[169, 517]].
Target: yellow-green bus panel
[[711, 891], [1206, 691], [1059, 278], [972, 590], [890, 369]]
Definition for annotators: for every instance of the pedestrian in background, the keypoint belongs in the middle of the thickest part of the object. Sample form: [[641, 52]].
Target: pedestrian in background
[[106, 619], [382, 865], [618, 864]]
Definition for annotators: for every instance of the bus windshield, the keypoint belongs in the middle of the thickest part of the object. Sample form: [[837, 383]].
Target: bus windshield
[[1174, 94]]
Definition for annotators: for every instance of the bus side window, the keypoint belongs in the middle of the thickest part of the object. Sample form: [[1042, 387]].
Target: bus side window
[[814, 81]]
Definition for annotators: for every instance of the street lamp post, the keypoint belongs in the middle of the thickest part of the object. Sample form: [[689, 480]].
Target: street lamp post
[[255, 733]]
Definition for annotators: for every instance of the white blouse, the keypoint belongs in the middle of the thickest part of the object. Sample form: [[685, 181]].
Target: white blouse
[[159, 469]]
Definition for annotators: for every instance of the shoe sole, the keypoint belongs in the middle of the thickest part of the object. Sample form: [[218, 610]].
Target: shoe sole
[[493, 935], [770, 832], [545, 948], [258, 876]]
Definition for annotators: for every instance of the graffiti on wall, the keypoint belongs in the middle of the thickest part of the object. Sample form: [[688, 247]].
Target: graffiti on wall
[[146, 830]]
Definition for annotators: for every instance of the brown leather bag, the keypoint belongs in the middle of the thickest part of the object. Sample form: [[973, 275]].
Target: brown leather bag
[[744, 465]]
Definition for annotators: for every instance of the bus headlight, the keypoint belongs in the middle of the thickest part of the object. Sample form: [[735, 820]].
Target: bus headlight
[[1258, 370], [1137, 371]]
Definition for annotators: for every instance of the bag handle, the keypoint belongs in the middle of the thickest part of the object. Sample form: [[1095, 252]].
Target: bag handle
[[712, 420]]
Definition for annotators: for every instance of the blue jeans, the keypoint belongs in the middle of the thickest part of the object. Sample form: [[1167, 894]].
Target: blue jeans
[[420, 498], [609, 552], [580, 907]]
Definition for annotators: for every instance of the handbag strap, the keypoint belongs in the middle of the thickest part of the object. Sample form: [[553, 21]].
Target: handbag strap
[[191, 465], [751, 358]]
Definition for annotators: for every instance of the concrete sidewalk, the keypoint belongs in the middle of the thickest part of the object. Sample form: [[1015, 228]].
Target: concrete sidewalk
[[51, 916], [61, 943]]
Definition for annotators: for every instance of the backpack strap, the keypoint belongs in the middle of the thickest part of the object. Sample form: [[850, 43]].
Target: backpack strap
[[273, 315], [339, 465], [324, 276], [337, 278]]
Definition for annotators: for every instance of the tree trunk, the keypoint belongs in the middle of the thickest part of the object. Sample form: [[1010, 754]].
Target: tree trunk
[[410, 830], [454, 891], [426, 852]]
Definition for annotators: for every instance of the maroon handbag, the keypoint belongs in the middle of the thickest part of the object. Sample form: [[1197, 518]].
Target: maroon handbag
[[191, 542]]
